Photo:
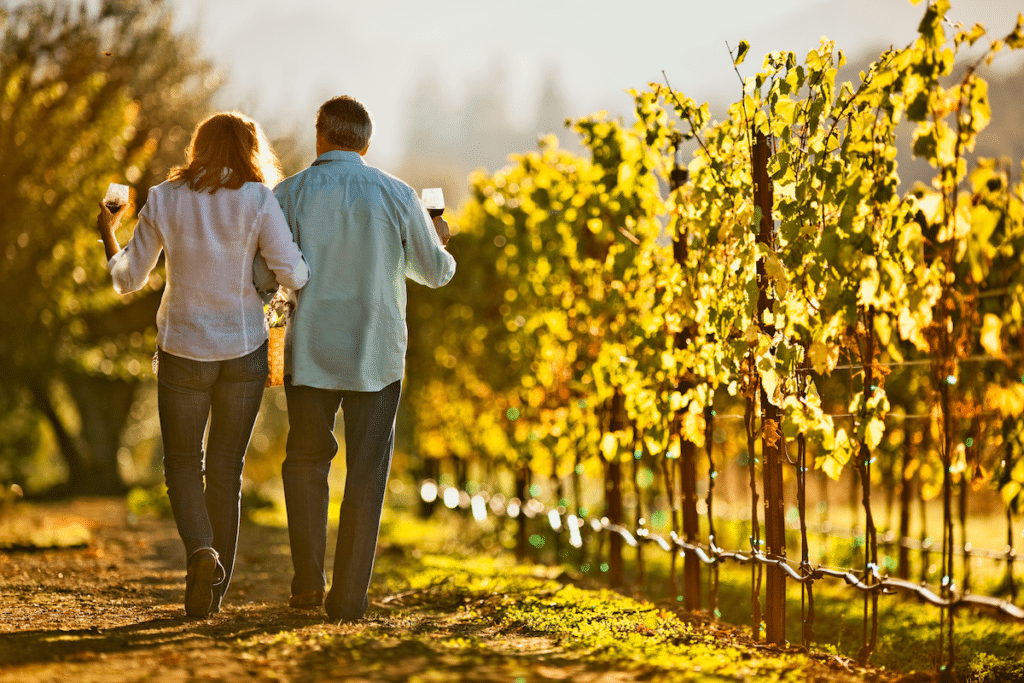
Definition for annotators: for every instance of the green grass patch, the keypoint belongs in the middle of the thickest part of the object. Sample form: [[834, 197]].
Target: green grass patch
[[445, 599], [908, 631], [28, 533]]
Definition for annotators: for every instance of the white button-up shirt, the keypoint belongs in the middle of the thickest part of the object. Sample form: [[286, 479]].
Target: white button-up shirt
[[363, 232], [210, 309]]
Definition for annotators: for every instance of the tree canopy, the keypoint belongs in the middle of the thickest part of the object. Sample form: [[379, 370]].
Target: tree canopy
[[87, 97]]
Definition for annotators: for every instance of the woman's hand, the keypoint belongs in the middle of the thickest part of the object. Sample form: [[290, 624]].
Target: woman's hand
[[107, 223]]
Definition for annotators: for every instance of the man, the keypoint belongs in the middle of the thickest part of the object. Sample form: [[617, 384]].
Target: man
[[362, 233]]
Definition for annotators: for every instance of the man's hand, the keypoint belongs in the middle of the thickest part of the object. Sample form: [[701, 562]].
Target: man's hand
[[441, 226]]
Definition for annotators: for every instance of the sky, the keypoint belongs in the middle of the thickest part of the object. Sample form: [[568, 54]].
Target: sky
[[282, 59]]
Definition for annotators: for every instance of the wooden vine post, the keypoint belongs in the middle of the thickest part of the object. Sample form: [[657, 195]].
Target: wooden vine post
[[771, 433], [687, 463], [613, 492]]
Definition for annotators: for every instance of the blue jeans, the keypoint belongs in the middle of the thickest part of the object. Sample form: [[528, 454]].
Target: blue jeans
[[226, 394], [311, 446]]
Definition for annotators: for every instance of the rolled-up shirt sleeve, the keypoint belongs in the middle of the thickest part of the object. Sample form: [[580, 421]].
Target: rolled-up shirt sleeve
[[278, 248], [426, 260], [130, 267]]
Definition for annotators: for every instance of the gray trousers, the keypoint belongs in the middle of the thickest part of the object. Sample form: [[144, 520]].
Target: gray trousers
[[310, 448]]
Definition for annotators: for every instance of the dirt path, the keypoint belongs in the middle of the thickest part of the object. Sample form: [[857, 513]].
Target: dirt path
[[112, 611]]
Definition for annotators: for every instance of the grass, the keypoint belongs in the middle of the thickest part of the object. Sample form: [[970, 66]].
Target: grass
[[452, 565], [447, 600], [28, 531], [987, 648]]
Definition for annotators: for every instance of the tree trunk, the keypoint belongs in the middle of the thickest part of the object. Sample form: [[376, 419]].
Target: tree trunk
[[104, 405], [641, 575], [577, 493], [431, 471], [71, 449], [670, 493], [556, 486], [522, 533], [613, 491], [613, 497], [1009, 582]]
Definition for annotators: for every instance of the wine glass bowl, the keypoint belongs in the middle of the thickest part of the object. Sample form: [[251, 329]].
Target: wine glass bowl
[[116, 197], [433, 199]]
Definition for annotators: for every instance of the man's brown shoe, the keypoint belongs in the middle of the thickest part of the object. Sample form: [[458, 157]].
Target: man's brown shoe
[[311, 600]]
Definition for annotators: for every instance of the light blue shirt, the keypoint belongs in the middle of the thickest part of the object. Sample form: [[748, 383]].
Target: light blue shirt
[[362, 232]]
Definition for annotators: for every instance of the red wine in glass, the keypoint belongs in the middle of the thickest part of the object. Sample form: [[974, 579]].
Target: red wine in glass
[[433, 199], [116, 197]]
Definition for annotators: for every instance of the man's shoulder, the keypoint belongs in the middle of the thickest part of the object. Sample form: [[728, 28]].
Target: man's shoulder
[[392, 185], [291, 180]]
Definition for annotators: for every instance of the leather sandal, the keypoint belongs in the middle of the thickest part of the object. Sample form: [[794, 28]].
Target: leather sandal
[[311, 600]]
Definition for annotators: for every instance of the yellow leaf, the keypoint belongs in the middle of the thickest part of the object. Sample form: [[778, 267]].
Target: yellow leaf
[[773, 267], [931, 206], [609, 444], [693, 428], [675, 401], [1009, 401], [823, 357], [741, 53], [830, 466], [990, 334], [883, 328], [1010, 491], [873, 433], [832, 463]]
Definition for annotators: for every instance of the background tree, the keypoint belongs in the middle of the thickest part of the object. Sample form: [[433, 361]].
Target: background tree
[[86, 97]]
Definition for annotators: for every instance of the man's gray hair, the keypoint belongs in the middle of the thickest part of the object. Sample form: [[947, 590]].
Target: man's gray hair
[[345, 122]]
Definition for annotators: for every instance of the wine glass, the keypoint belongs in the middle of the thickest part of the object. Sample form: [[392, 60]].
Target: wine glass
[[433, 199], [116, 197]]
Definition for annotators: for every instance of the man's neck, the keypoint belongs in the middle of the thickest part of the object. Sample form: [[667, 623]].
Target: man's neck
[[322, 147]]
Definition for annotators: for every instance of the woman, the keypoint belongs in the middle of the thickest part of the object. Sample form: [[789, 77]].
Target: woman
[[209, 218]]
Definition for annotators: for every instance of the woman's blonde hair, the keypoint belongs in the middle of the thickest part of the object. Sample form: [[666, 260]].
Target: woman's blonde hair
[[227, 150]]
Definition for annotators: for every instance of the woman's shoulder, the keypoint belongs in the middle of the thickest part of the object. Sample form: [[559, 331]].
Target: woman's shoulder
[[162, 195], [255, 189], [256, 195], [168, 189]]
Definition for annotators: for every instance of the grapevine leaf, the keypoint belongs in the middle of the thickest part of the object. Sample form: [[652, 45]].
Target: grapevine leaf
[[741, 52], [990, 335]]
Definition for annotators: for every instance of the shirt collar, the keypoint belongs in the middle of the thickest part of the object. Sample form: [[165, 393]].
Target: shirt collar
[[338, 155]]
